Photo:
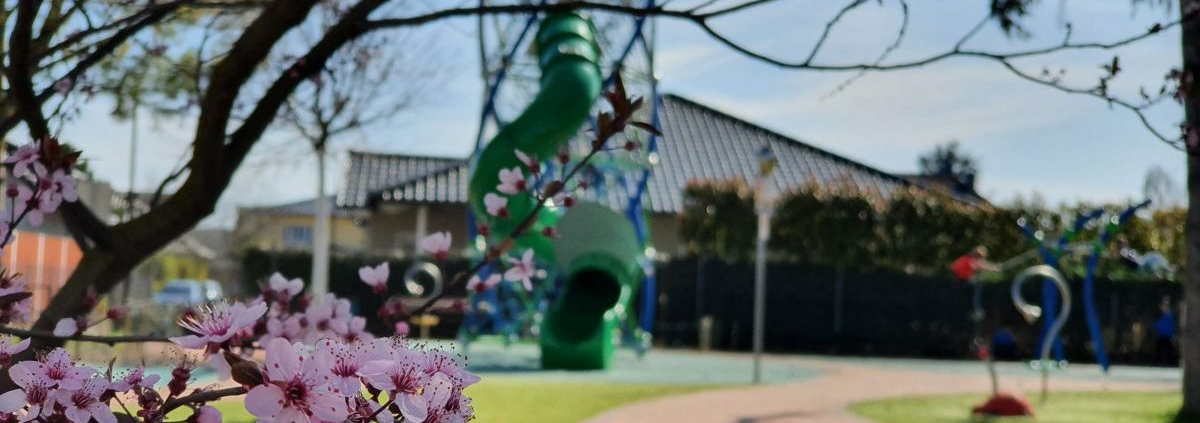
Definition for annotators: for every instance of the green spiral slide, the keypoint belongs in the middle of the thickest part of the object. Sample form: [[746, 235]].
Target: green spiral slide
[[597, 250]]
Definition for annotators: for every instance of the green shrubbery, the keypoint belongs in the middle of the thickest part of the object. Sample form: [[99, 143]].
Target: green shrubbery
[[916, 231]]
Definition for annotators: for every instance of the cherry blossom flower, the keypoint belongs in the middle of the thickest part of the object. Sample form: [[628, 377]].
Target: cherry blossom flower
[[327, 318], [345, 360], [136, 377], [83, 404], [208, 414], [357, 330], [215, 324], [496, 205], [63, 186], [476, 284], [296, 389], [283, 288], [437, 244], [402, 329], [522, 270], [529, 162], [9, 349], [441, 362], [404, 378], [512, 181], [54, 368], [375, 277], [67, 327], [26, 155], [33, 393]]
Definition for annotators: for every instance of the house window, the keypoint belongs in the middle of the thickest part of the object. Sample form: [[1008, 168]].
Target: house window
[[297, 236]]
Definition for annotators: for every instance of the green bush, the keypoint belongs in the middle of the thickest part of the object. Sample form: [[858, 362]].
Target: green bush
[[915, 231]]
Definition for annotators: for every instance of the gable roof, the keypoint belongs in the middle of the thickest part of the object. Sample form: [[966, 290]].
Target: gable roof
[[369, 174], [698, 143]]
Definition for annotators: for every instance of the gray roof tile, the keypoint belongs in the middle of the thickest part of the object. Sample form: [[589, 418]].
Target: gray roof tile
[[699, 143]]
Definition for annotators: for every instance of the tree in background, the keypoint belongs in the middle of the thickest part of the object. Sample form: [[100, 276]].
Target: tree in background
[[948, 163]]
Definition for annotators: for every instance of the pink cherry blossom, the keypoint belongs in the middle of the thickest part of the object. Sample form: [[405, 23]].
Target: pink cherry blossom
[[284, 288], [496, 205], [136, 378], [475, 284], [441, 362], [8, 349], [529, 162], [63, 186], [33, 393], [522, 270], [437, 245], [83, 404], [512, 181], [67, 327], [345, 360], [296, 388], [208, 414], [215, 324], [402, 329], [327, 317], [375, 277], [357, 330], [363, 409], [10, 283], [55, 368], [403, 377], [26, 155]]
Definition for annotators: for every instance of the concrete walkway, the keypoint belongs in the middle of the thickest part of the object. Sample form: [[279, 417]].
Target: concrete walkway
[[825, 398]]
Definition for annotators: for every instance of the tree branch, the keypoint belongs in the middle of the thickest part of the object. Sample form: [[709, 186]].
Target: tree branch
[[109, 340]]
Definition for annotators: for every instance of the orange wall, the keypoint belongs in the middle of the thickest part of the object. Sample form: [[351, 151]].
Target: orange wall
[[45, 260]]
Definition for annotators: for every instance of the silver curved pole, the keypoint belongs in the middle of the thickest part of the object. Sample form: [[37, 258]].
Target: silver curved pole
[[415, 288], [1031, 312]]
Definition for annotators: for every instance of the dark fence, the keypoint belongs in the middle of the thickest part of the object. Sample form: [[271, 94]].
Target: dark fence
[[884, 312], [258, 265]]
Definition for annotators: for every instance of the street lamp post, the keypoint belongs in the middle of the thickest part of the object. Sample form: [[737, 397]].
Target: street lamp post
[[764, 206]]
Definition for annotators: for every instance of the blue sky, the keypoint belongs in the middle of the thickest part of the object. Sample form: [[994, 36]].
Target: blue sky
[[1026, 137]]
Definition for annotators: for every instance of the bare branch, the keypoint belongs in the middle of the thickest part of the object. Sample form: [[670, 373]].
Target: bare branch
[[109, 340]]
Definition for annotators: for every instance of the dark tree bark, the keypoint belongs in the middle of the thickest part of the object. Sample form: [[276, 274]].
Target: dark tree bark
[[1190, 339]]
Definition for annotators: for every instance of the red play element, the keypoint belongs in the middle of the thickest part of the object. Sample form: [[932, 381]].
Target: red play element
[[982, 352], [1004, 404], [964, 267]]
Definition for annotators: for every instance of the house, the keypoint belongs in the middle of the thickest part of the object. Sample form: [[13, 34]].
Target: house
[[289, 227], [394, 199]]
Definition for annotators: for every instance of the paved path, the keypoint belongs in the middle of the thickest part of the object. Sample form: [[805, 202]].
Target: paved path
[[824, 398]]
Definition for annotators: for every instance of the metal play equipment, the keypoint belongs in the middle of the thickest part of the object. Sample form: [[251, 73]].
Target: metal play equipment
[[1031, 313], [1052, 252], [601, 258]]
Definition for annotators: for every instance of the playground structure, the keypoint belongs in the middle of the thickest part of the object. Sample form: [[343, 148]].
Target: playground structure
[[1052, 252], [1055, 289], [600, 260]]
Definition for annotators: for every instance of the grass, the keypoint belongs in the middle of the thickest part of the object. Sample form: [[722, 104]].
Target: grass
[[512, 400], [1065, 407]]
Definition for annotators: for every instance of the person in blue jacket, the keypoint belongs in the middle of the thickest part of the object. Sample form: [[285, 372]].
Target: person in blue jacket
[[1165, 331]]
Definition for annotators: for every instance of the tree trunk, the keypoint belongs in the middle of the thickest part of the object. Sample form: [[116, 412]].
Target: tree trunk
[[1190, 316]]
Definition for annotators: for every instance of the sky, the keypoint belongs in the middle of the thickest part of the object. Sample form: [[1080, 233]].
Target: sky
[[1026, 138]]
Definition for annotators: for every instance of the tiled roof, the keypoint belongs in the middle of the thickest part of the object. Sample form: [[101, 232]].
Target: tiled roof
[[699, 143], [370, 173]]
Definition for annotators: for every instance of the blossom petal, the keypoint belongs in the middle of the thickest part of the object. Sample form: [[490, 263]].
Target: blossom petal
[[265, 401]]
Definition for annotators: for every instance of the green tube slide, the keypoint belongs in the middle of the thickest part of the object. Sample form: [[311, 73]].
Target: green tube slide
[[598, 250]]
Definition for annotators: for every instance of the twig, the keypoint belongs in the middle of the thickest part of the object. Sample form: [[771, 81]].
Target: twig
[[110, 340]]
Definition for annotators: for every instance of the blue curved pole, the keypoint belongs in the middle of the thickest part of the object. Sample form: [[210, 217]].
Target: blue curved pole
[[1049, 290], [1089, 282]]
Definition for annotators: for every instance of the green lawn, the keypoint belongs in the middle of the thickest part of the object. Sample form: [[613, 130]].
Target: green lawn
[[1065, 407], [513, 400]]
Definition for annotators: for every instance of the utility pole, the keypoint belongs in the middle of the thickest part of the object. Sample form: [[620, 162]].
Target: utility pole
[[765, 207]]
